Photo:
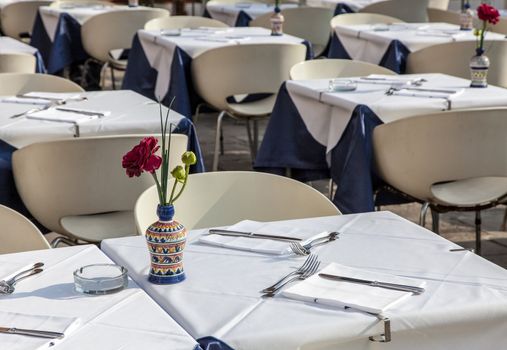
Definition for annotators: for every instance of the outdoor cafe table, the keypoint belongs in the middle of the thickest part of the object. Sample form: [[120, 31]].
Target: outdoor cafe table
[[240, 14], [159, 61], [57, 32], [127, 113], [320, 134], [127, 320], [11, 45], [342, 6], [389, 45], [464, 305]]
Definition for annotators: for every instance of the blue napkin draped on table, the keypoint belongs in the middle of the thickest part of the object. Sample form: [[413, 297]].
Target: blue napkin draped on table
[[395, 57], [141, 78], [287, 144], [243, 19], [212, 343], [67, 47], [342, 9]]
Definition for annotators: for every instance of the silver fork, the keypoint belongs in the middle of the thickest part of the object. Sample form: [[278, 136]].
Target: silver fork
[[311, 271], [302, 269], [299, 249]]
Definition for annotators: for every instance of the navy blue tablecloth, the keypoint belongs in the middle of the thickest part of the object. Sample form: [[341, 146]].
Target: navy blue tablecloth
[[342, 8], [287, 144], [141, 77], [66, 48], [395, 57], [9, 195], [243, 19]]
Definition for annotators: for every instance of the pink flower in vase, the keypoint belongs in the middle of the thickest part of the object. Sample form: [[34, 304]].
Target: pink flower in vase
[[142, 158]]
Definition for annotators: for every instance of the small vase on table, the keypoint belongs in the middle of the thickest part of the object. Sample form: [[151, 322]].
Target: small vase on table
[[277, 20]]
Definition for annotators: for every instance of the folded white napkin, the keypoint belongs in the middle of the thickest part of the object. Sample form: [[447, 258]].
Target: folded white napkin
[[346, 294], [70, 115], [33, 322], [265, 246]]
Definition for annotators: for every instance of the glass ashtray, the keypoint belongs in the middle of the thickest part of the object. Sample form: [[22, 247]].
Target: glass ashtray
[[100, 279], [338, 85]]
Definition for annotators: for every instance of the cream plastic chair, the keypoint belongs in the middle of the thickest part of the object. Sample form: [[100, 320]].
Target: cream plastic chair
[[406, 10], [224, 198], [362, 18], [335, 68], [17, 63], [443, 16], [500, 27], [17, 18], [84, 3], [243, 69], [309, 23], [114, 30], [78, 188], [18, 234], [453, 59], [177, 22], [20, 83], [439, 4], [448, 161]]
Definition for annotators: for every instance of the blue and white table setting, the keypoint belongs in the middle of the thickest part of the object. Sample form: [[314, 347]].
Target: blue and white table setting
[[320, 133], [24, 121], [461, 297], [389, 45], [57, 32], [48, 301], [11, 45], [342, 6], [240, 14], [159, 61]]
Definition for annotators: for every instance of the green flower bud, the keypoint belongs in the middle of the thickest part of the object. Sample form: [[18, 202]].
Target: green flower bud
[[189, 158], [179, 173]]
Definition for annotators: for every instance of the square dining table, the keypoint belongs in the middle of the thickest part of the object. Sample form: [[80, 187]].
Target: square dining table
[[317, 133], [11, 45], [126, 113], [390, 45], [128, 319], [159, 61], [240, 14], [464, 305], [57, 32]]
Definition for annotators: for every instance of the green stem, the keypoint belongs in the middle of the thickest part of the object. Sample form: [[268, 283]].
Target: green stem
[[171, 201], [483, 32], [160, 199], [187, 168]]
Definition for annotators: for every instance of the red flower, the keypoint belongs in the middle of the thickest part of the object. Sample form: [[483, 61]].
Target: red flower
[[142, 158], [488, 13]]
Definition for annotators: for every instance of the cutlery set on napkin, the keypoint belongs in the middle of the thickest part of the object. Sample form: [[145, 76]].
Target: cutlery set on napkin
[[335, 285]]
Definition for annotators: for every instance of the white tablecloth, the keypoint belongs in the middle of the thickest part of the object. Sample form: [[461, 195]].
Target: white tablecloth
[[11, 45], [131, 113], [129, 319], [228, 12], [355, 5], [464, 306], [326, 114], [362, 42], [159, 49]]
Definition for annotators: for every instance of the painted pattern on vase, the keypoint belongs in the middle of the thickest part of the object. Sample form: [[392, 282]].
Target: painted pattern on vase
[[166, 240]]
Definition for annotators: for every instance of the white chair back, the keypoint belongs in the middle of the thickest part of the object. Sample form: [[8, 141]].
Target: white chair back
[[362, 18], [81, 176], [224, 198], [17, 63], [178, 22], [406, 10], [438, 4], [18, 234], [335, 68], [17, 18], [443, 16], [20, 83]]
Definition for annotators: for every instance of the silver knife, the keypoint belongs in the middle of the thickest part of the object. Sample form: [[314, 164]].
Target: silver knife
[[31, 332], [78, 111], [386, 285], [231, 233]]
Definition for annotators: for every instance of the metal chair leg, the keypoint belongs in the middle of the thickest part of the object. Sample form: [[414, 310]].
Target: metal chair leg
[[478, 222], [112, 78], [217, 140], [422, 214], [65, 240], [330, 193], [504, 223], [435, 225], [250, 138], [255, 139]]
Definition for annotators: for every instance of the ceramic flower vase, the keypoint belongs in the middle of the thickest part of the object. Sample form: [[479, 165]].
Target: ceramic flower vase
[[466, 18], [479, 65], [166, 240], [277, 20]]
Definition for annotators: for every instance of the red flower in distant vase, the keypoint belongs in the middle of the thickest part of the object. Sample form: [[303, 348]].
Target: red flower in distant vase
[[142, 158], [488, 13]]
